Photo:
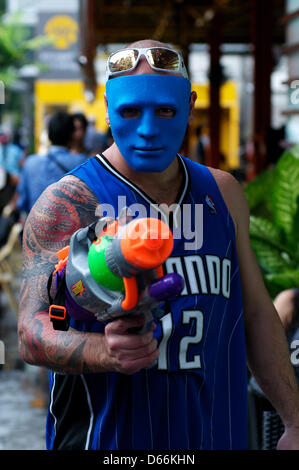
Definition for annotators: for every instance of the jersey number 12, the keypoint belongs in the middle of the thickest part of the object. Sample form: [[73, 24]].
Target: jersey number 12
[[185, 342]]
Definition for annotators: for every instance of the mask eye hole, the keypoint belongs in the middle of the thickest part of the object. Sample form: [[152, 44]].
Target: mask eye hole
[[130, 112], [165, 112]]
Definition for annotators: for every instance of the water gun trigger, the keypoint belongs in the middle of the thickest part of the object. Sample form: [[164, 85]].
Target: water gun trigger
[[130, 300], [131, 293]]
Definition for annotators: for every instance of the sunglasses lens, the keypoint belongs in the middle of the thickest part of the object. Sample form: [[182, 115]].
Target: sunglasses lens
[[123, 60], [164, 59]]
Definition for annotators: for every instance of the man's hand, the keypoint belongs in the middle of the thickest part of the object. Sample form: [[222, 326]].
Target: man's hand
[[290, 439], [130, 352]]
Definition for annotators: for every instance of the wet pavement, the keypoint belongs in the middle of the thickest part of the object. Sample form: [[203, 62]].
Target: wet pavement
[[23, 394]]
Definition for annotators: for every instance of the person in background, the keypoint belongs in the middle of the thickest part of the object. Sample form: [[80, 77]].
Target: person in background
[[11, 156], [77, 142], [39, 171], [269, 426], [199, 151], [287, 306], [95, 141]]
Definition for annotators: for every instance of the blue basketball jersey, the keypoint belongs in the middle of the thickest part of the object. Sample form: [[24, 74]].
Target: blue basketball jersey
[[195, 397]]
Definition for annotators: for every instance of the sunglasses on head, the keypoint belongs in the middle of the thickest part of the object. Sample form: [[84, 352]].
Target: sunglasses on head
[[159, 58]]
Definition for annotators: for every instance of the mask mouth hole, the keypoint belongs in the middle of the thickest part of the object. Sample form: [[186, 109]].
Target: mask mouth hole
[[148, 149]]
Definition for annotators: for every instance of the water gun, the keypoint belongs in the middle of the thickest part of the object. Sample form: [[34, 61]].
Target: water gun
[[117, 273]]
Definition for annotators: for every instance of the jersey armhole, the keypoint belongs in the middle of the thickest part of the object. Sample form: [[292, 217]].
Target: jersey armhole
[[226, 216], [213, 186]]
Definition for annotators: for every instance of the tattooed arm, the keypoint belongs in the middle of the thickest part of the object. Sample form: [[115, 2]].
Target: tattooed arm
[[63, 208]]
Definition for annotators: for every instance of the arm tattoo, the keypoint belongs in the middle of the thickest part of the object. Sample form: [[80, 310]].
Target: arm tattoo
[[62, 209]]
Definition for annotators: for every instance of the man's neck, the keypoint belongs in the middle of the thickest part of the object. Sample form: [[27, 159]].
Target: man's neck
[[149, 182]]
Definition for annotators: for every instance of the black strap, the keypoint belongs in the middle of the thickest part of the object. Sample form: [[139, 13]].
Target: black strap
[[58, 304], [59, 298], [52, 157], [91, 234]]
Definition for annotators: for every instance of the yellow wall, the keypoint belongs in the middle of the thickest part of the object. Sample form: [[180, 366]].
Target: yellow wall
[[230, 118], [53, 94]]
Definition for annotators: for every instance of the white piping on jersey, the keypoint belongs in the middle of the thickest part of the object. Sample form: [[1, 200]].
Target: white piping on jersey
[[91, 412], [103, 414], [203, 361], [51, 403], [149, 408], [228, 247], [186, 396], [225, 309], [116, 421], [196, 297], [142, 194], [233, 275], [196, 302], [168, 418], [219, 336], [89, 405]]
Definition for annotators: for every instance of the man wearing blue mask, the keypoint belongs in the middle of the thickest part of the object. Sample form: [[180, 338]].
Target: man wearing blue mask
[[183, 384]]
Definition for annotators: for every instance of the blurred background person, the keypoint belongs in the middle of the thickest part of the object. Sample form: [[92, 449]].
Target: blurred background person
[[39, 171], [11, 154], [11, 159], [199, 152], [268, 423], [77, 142], [287, 306], [95, 141]]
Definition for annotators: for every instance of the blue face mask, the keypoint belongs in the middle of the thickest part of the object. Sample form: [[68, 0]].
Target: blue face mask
[[148, 117]]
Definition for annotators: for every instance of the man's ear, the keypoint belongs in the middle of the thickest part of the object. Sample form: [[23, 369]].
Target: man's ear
[[193, 98], [106, 107]]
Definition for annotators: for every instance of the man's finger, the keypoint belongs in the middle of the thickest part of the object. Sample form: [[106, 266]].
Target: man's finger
[[128, 341], [122, 325]]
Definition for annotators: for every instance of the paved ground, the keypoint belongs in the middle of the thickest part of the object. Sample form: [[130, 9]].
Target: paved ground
[[23, 395], [22, 424]]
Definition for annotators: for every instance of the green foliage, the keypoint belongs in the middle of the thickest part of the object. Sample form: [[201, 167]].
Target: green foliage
[[259, 195], [273, 198], [15, 44]]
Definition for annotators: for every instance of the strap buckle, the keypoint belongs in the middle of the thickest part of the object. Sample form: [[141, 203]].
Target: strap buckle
[[57, 312]]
